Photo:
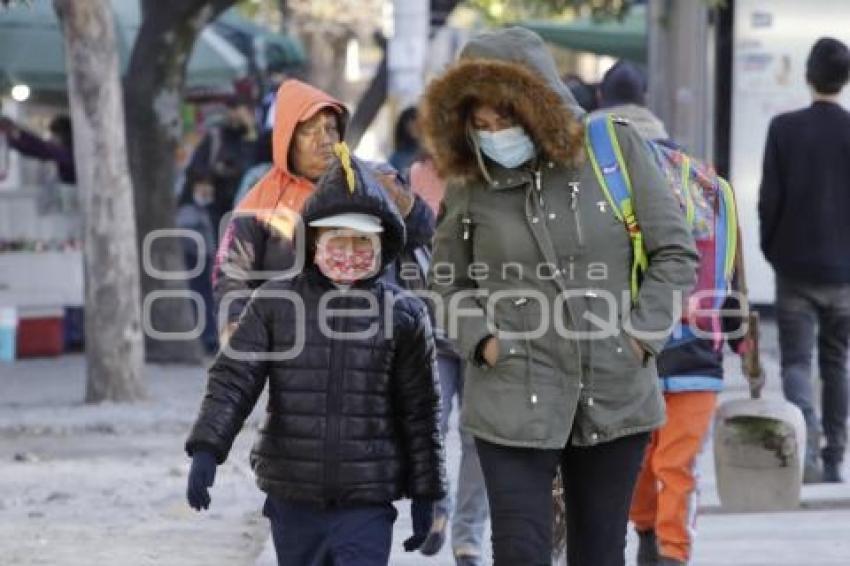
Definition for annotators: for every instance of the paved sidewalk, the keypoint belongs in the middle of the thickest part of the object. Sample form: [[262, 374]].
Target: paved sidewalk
[[88, 485]]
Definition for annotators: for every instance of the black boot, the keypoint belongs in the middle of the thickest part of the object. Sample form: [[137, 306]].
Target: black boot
[[647, 554]]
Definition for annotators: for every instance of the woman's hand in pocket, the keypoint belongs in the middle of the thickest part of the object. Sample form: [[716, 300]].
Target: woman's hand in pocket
[[638, 350], [490, 351]]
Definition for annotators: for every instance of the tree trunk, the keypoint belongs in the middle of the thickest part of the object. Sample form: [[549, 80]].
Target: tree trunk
[[369, 104], [154, 92], [114, 347]]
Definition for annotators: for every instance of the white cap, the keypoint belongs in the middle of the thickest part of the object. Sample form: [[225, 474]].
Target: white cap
[[353, 220]]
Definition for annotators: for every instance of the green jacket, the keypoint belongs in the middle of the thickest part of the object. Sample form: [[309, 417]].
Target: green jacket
[[536, 256]]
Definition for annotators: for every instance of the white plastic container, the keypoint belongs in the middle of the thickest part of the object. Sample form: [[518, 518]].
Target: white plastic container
[[8, 333]]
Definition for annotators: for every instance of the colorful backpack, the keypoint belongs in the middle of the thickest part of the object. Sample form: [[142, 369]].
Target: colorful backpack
[[708, 204]]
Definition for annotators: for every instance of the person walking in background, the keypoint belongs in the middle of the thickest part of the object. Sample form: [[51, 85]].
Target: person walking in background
[[805, 236], [690, 367], [58, 149], [468, 512], [407, 145], [584, 93], [353, 415], [622, 93], [525, 203], [194, 214], [263, 162], [225, 153]]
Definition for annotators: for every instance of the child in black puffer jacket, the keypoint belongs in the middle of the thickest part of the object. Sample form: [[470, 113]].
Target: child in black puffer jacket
[[353, 412]]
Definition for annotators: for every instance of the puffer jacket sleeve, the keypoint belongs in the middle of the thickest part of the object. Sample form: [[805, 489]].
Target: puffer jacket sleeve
[[417, 398], [233, 387], [240, 252], [669, 245], [462, 315]]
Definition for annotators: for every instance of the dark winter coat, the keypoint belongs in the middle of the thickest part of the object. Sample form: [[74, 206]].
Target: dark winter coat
[[31, 145], [350, 421], [805, 194]]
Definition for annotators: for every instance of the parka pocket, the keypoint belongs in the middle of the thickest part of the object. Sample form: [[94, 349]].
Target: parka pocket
[[524, 325]]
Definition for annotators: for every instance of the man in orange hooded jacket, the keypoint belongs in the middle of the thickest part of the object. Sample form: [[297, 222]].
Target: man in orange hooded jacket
[[257, 241]]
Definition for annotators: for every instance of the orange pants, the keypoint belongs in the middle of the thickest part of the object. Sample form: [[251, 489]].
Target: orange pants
[[665, 498]]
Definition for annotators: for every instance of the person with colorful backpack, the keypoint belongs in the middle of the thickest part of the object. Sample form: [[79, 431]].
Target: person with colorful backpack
[[529, 257], [690, 366]]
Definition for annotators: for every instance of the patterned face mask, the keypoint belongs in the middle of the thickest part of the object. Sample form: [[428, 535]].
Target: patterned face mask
[[346, 256]]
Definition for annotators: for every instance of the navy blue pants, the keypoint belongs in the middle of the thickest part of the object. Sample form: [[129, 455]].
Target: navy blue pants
[[307, 536]]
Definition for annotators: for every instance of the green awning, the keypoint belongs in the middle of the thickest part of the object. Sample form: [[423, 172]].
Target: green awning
[[32, 50], [623, 39]]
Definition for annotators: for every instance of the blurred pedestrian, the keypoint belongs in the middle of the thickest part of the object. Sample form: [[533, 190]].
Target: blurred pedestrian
[[584, 93], [525, 204], [622, 93], [468, 512], [59, 148], [263, 162], [690, 368], [407, 145], [194, 213], [353, 418], [804, 198], [225, 153]]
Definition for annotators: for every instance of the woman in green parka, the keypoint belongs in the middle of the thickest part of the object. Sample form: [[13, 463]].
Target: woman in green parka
[[535, 272]]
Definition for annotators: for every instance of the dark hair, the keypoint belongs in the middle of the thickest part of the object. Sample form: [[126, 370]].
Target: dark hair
[[264, 149], [584, 93], [60, 126], [828, 66], [403, 139], [624, 83]]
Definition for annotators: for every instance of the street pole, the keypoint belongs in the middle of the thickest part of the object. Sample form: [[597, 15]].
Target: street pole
[[681, 71]]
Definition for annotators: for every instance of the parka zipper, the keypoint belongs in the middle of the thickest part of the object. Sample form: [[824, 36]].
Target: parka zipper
[[538, 187], [520, 304], [575, 189]]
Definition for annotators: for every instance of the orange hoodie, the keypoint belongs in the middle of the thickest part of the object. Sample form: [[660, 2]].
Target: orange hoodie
[[275, 203], [281, 188]]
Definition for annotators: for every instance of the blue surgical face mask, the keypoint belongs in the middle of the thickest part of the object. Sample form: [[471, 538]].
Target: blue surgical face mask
[[202, 201], [509, 148]]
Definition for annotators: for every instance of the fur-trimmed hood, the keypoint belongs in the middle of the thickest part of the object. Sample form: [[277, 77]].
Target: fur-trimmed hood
[[509, 67]]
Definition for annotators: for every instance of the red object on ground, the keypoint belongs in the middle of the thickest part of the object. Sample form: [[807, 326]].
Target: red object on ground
[[41, 333]]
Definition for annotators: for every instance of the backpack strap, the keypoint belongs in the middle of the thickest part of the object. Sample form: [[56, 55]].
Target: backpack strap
[[606, 157], [726, 233]]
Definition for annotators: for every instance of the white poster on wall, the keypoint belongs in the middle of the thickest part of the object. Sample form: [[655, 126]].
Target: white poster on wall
[[772, 39]]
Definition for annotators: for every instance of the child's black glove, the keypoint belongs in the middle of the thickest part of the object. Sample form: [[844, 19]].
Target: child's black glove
[[422, 514], [201, 477]]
